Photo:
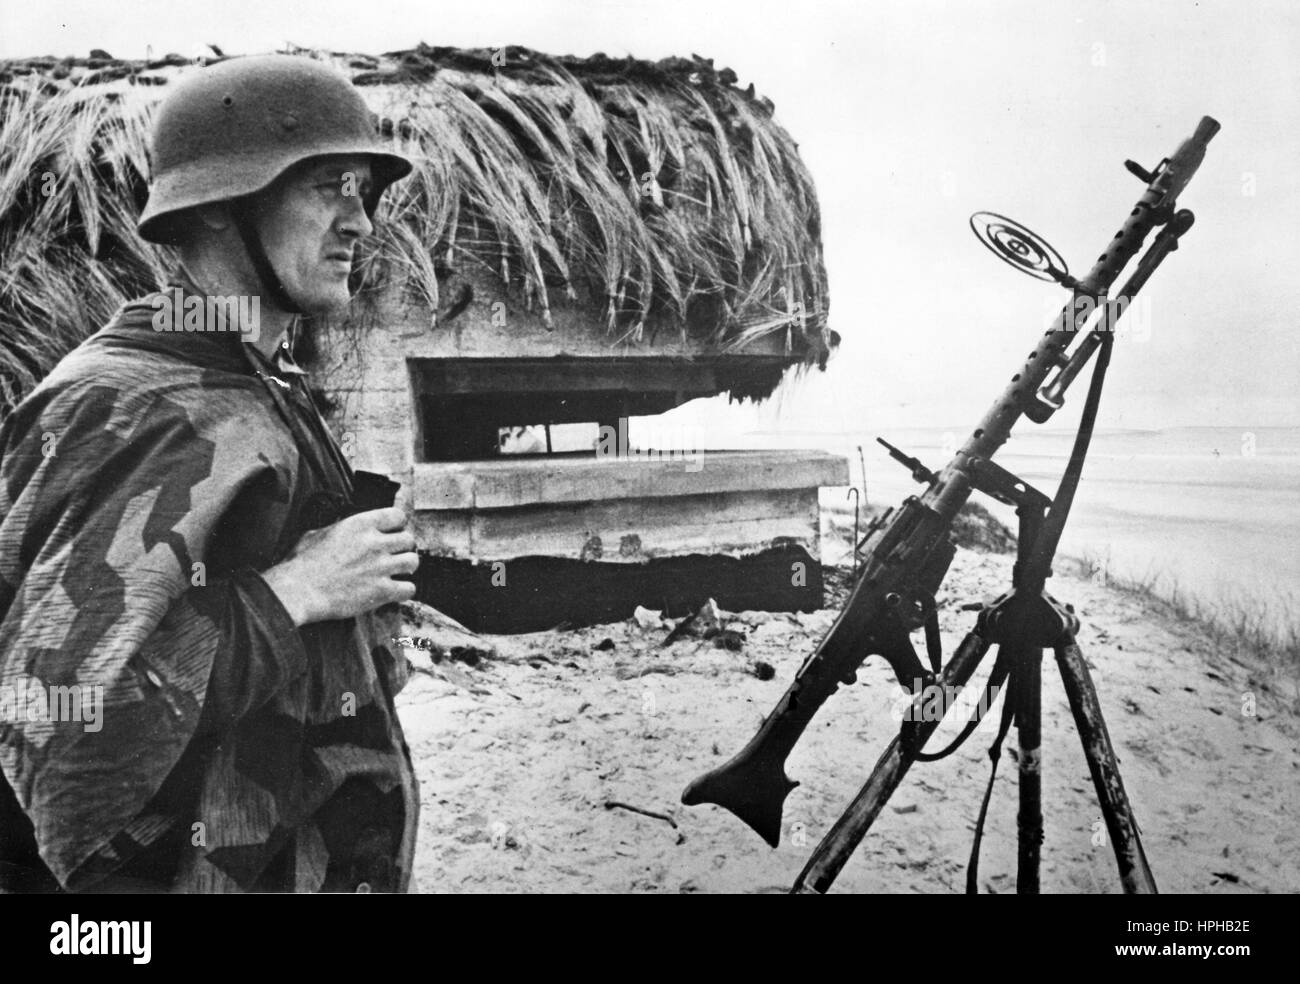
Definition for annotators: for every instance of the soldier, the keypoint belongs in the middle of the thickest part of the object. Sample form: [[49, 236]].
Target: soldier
[[196, 620]]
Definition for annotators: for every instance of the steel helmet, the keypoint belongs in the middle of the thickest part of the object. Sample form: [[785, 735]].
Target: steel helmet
[[230, 129]]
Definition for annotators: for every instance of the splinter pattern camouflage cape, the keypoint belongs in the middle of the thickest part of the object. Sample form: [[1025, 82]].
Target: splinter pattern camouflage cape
[[143, 485]]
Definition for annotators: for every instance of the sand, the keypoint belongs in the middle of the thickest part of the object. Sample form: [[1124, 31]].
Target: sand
[[519, 755]]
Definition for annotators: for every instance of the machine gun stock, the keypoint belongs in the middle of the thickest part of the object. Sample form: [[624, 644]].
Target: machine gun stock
[[906, 560]]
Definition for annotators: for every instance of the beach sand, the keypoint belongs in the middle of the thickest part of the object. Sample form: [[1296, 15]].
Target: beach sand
[[519, 755]]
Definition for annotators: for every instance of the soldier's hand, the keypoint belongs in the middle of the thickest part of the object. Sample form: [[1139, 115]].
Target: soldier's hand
[[347, 568]]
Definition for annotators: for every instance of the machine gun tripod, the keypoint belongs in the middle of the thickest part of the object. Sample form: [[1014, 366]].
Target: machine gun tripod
[[908, 551], [1022, 623]]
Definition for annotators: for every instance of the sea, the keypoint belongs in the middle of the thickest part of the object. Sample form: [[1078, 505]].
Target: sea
[[1210, 512]]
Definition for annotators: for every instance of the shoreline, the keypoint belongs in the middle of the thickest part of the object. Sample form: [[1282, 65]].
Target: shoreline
[[1269, 626]]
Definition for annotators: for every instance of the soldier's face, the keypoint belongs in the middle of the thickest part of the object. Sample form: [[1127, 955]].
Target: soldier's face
[[310, 220]]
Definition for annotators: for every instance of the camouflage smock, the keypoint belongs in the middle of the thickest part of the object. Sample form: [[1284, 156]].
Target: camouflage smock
[[143, 485]]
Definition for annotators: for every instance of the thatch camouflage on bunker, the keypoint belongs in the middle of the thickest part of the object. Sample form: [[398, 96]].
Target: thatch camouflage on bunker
[[660, 197]]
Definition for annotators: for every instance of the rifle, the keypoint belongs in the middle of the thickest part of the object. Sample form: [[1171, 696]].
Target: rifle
[[907, 551]]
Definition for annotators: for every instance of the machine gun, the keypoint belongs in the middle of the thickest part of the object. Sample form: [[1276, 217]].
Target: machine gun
[[907, 551]]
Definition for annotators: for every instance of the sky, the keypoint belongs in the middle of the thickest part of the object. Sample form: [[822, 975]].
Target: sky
[[911, 116]]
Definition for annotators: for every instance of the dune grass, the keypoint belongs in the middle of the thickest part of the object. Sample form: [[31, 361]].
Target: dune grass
[[1252, 630], [1256, 630]]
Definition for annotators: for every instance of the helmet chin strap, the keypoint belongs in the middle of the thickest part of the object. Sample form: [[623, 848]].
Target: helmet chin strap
[[242, 212]]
